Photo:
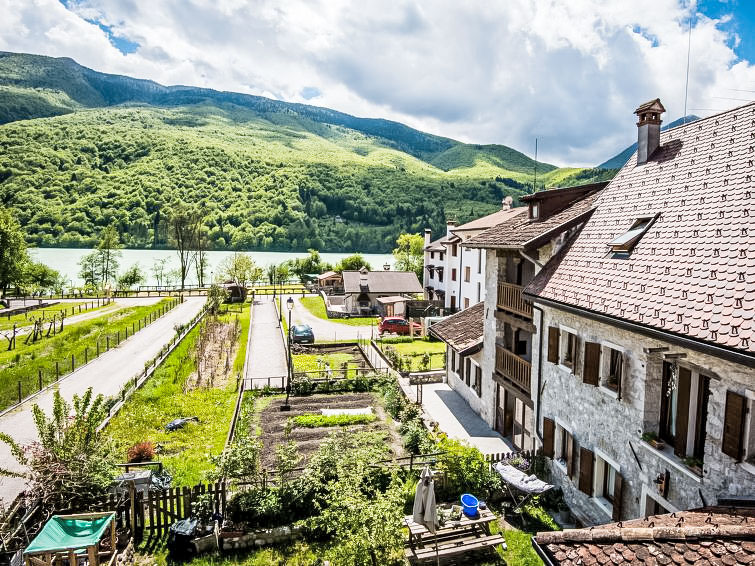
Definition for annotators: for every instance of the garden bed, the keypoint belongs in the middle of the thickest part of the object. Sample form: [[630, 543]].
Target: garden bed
[[183, 388], [412, 353], [316, 306], [273, 421]]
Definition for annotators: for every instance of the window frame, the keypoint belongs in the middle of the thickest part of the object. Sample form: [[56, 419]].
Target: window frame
[[561, 444], [566, 335], [602, 464], [697, 412], [606, 351], [467, 273]]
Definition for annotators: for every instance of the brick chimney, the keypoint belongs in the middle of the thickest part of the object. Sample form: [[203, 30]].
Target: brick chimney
[[648, 129]]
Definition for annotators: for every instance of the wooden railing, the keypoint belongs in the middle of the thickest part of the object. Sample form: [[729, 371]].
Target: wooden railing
[[513, 367], [510, 298]]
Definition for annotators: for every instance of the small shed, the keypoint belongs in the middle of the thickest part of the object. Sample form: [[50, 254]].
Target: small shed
[[394, 305], [329, 281], [236, 292], [68, 538]]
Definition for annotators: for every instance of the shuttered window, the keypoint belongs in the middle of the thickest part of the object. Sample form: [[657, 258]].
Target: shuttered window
[[571, 457], [618, 492], [553, 344], [682, 412], [586, 462], [734, 423], [478, 381], [467, 370], [591, 372], [549, 433]]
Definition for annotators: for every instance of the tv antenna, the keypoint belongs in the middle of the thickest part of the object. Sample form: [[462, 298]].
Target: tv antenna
[[686, 81]]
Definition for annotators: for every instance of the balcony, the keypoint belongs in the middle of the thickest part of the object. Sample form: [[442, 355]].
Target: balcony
[[510, 299], [513, 367]]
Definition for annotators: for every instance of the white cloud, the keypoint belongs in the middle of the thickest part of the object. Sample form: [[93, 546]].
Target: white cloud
[[569, 73]]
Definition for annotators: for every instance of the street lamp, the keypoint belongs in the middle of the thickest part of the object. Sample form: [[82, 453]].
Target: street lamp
[[290, 306]]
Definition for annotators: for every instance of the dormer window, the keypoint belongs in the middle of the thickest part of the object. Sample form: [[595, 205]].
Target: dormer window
[[624, 244], [534, 211]]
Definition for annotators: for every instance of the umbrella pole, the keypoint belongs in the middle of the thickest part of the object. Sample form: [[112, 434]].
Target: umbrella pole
[[437, 559]]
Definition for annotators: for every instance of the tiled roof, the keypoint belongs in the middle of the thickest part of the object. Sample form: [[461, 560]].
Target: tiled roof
[[491, 220], [463, 330], [521, 232], [693, 271], [388, 282], [437, 245], [705, 537]]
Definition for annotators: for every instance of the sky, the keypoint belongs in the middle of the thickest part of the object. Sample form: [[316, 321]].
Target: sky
[[567, 72]]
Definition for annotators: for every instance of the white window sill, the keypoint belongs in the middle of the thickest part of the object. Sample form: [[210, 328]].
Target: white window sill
[[603, 503], [566, 368], [608, 392], [561, 466], [668, 455]]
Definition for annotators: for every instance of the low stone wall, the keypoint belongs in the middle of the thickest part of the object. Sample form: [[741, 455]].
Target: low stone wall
[[262, 537], [126, 556]]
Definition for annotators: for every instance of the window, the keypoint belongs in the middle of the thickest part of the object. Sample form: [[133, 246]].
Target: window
[[564, 450], [613, 367], [466, 302], [453, 302], [467, 273], [440, 275], [520, 343], [534, 210], [467, 370], [624, 244], [453, 359], [684, 411], [453, 274], [608, 484], [478, 380], [569, 349], [739, 426], [432, 255], [478, 291], [440, 256], [609, 481], [479, 260], [454, 250]]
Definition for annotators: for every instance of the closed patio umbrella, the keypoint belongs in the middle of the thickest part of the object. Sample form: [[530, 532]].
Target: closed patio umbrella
[[425, 511]]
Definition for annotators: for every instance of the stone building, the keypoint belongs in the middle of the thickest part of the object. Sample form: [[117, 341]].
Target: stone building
[[514, 251], [647, 349], [454, 273]]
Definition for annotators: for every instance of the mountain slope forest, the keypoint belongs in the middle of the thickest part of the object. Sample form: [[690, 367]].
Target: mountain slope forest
[[81, 150]]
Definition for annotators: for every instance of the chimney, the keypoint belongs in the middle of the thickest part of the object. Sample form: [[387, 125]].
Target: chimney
[[363, 284], [648, 129], [450, 225], [506, 202], [428, 233]]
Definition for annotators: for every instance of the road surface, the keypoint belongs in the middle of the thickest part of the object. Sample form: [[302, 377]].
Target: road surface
[[267, 352], [326, 330], [106, 375]]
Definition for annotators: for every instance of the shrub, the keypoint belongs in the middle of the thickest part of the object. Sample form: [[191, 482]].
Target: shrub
[[416, 438], [141, 452], [393, 399], [466, 469]]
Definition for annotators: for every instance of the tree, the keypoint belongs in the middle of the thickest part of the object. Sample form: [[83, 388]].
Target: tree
[[132, 276], [183, 228], [200, 255], [73, 464], [353, 262], [13, 255], [108, 253], [41, 277], [238, 267], [302, 267], [89, 272], [159, 270], [216, 296], [410, 254]]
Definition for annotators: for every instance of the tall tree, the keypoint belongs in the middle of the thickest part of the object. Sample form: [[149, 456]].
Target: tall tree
[[132, 276], [353, 262], [160, 270], [89, 270], [108, 253], [240, 268], [200, 255], [13, 255], [184, 227], [409, 253]]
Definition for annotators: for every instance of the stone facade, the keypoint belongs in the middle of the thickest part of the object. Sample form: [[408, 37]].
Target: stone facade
[[457, 383], [612, 427]]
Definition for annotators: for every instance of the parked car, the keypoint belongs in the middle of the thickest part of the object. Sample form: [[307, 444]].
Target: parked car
[[398, 325], [302, 334]]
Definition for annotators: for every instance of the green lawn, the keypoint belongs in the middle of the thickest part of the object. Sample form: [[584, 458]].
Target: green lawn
[[185, 453], [316, 362], [79, 340], [316, 306], [415, 349], [71, 309]]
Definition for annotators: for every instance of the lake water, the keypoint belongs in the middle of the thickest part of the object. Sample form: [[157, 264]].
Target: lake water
[[66, 260]]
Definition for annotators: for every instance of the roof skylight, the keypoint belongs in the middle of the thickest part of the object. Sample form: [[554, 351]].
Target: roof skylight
[[624, 244]]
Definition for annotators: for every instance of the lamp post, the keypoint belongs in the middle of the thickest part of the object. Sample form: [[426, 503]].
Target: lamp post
[[290, 306]]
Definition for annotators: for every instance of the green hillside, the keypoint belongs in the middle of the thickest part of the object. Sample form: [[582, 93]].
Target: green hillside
[[81, 150]]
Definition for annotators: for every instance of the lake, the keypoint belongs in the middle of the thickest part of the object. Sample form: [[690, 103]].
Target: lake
[[66, 260]]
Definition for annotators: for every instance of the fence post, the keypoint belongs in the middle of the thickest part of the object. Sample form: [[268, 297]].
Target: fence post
[[57, 371], [98, 349], [73, 362], [107, 344], [86, 354], [39, 375], [19, 391]]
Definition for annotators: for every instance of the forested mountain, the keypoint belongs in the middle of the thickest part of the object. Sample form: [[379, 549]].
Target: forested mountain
[[80, 150]]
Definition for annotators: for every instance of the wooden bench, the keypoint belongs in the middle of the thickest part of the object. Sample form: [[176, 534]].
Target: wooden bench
[[453, 547]]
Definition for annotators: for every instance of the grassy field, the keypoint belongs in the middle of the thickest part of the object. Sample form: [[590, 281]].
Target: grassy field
[[70, 308], [185, 453], [414, 351], [316, 306], [73, 346]]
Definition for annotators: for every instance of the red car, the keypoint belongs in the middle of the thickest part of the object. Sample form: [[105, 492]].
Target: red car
[[398, 325]]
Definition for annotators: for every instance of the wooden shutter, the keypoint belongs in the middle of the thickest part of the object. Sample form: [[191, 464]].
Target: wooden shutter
[[553, 339], [682, 412], [586, 463], [571, 458], [734, 421], [467, 370], [549, 433], [478, 380], [591, 373], [618, 488]]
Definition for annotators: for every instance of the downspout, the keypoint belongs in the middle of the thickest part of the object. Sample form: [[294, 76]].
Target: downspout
[[461, 269], [539, 373]]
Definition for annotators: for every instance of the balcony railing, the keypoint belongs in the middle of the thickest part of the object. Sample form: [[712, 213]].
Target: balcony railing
[[513, 367], [510, 299]]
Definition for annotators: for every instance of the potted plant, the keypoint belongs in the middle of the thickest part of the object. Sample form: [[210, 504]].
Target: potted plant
[[652, 439], [694, 464]]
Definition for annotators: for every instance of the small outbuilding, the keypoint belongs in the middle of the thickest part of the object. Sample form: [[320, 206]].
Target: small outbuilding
[[66, 538], [363, 288], [236, 292], [330, 282]]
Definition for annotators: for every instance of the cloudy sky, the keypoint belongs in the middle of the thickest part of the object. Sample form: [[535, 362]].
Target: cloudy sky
[[568, 72]]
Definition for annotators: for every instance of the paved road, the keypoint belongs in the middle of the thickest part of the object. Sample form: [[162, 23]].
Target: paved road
[[325, 330], [105, 375], [267, 352]]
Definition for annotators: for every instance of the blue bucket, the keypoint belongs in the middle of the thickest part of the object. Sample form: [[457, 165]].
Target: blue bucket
[[470, 505]]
